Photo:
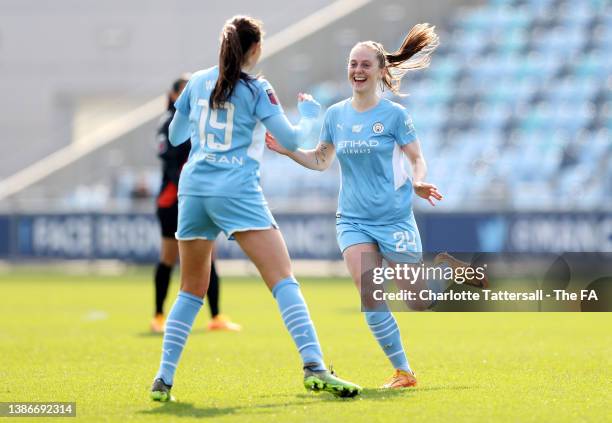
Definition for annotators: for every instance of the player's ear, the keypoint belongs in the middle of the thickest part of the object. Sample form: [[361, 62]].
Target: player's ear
[[255, 49]]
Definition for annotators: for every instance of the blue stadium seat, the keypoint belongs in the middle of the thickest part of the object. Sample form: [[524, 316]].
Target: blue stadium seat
[[515, 110]]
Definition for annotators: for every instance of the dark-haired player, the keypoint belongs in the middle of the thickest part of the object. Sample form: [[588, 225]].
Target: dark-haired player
[[219, 191], [173, 158]]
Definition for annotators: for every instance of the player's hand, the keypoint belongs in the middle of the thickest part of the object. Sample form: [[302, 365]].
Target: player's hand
[[308, 106], [427, 191], [274, 145], [305, 97]]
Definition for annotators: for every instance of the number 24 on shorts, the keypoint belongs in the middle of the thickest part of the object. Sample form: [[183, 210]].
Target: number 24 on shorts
[[404, 241]]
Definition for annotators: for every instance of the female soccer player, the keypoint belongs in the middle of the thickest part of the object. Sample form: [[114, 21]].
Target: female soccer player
[[219, 191], [370, 135], [173, 159]]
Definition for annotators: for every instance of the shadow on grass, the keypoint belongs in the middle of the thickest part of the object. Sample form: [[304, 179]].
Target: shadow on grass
[[374, 394], [181, 409], [184, 409], [368, 394]]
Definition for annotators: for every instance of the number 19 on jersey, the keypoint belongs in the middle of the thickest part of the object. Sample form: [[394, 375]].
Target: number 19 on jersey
[[212, 117]]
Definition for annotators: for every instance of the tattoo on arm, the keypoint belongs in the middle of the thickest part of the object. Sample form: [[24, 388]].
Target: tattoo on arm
[[323, 152], [320, 153]]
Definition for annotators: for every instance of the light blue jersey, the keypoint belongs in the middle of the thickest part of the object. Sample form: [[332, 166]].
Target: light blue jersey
[[226, 143], [376, 187]]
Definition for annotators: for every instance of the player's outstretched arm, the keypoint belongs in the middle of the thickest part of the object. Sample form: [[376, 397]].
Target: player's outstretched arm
[[319, 158], [178, 132], [419, 170], [292, 136]]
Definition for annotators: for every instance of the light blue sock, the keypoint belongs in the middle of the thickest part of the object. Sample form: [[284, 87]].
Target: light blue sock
[[385, 330], [297, 321], [178, 327]]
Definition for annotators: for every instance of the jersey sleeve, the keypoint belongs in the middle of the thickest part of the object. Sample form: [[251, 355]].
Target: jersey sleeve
[[183, 104], [404, 128], [267, 103], [327, 135]]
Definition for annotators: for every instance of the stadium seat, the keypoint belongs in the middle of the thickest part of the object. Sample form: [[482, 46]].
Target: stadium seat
[[517, 96]]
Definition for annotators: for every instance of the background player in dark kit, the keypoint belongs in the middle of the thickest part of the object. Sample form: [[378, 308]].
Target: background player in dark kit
[[173, 159]]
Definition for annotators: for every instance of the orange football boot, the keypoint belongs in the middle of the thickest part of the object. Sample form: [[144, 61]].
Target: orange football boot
[[157, 324], [221, 322], [401, 379]]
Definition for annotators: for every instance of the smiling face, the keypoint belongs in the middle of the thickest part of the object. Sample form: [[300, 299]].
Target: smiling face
[[364, 71]]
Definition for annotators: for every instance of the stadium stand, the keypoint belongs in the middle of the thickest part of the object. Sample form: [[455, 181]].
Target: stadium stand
[[514, 114], [515, 111]]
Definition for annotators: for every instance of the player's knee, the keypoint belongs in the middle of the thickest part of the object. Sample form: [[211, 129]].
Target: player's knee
[[168, 253], [273, 277], [275, 272], [167, 259], [194, 285], [194, 290]]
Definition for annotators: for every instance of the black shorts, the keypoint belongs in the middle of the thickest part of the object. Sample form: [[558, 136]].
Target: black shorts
[[168, 218]]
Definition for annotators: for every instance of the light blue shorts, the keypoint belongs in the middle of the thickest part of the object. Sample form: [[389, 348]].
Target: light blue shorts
[[399, 242], [204, 217]]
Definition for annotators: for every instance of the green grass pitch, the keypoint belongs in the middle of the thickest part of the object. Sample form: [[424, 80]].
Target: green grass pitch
[[85, 338]]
